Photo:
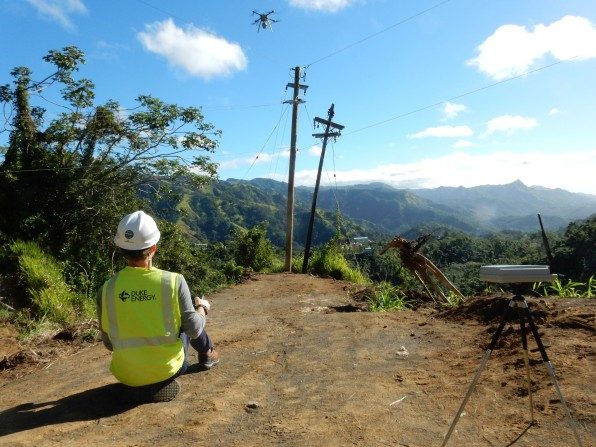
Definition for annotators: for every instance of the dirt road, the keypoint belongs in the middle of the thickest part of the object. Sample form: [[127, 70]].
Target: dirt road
[[302, 367]]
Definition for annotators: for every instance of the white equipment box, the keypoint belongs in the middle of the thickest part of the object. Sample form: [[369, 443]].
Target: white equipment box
[[516, 273]]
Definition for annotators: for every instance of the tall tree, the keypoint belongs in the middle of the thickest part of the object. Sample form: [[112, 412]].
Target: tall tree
[[575, 253], [65, 182]]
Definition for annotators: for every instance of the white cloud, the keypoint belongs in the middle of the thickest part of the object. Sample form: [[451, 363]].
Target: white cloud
[[451, 110], [322, 5], [553, 111], [194, 50], [572, 170], [59, 10], [462, 144], [443, 132], [315, 150], [509, 124], [511, 50]]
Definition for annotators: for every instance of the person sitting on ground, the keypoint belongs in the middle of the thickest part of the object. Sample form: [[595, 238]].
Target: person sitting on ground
[[147, 316]]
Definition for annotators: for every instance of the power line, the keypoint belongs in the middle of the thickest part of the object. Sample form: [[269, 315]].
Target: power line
[[411, 112], [278, 144], [161, 10], [284, 110], [471, 92], [236, 107], [364, 39]]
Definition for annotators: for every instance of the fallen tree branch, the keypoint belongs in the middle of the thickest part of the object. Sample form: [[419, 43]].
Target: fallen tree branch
[[423, 269]]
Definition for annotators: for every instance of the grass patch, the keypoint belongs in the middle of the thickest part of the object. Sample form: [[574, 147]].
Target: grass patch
[[40, 279], [330, 262], [385, 296], [569, 289]]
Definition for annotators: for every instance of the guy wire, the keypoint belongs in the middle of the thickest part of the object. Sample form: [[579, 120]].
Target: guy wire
[[284, 110]]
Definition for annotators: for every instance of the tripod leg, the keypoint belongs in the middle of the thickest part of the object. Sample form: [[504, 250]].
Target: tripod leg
[[551, 372], [522, 326], [490, 348]]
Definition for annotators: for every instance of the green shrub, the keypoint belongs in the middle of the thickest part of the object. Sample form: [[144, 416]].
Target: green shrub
[[386, 296], [233, 273], [40, 275], [278, 265], [569, 289], [252, 249], [330, 262], [453, 299]]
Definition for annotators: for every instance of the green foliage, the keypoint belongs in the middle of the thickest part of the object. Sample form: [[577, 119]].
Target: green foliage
[[590, 287], [176, 253], [329, 261], [233, 272], [569, 289], [386, 267], [386, 296], [251, 248], [459, 255], [575, 252], [466, 277], [69, 179], [41, 276], [453, 299]]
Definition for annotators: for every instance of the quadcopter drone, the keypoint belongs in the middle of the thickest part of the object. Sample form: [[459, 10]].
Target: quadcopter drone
[[263, 21]]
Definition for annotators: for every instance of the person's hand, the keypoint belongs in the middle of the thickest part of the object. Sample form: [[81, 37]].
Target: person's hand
[[202, 302]]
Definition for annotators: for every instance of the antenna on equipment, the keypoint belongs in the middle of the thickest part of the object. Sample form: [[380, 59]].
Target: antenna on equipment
[[549, 254]]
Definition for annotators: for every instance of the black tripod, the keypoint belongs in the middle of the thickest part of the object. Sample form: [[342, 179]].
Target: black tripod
[[519, 303]]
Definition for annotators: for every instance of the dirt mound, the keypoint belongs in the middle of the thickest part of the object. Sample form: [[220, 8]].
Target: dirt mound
[[296, 370], [20, 358], [570, 313]]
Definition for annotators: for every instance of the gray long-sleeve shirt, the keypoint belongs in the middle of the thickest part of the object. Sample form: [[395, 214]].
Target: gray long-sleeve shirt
[[193, 323]]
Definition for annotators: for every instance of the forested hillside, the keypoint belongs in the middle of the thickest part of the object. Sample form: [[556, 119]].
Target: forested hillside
[[375, 210], [212, 213]]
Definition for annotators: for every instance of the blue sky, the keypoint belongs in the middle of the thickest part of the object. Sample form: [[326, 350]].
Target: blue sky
[[431, 92]]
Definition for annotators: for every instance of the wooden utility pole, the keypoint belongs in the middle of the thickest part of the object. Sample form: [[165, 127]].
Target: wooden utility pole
[[328, 124], [290, 208]]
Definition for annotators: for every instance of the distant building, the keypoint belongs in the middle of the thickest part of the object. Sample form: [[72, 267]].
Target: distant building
[[360, 244]]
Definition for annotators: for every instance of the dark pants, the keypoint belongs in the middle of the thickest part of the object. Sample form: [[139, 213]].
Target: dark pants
[[200, 344]]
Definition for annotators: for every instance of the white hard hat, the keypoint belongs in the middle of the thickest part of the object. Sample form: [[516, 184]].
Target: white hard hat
[[137, 231]]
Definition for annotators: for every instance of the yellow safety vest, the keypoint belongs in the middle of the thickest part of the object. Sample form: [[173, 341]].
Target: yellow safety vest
[[141, 315]]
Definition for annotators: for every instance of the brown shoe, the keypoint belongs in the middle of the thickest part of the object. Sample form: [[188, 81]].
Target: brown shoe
[[209, 359]]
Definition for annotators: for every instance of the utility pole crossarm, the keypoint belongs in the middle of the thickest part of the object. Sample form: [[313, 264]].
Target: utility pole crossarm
[[300, 86], [328, 135], [329, 123]]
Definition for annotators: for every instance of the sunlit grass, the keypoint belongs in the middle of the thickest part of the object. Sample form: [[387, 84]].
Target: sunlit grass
[[569, 289], [386, 296]]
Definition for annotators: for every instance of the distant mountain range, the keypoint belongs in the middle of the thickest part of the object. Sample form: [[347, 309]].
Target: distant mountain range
[[376, 209], [514, 206]]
